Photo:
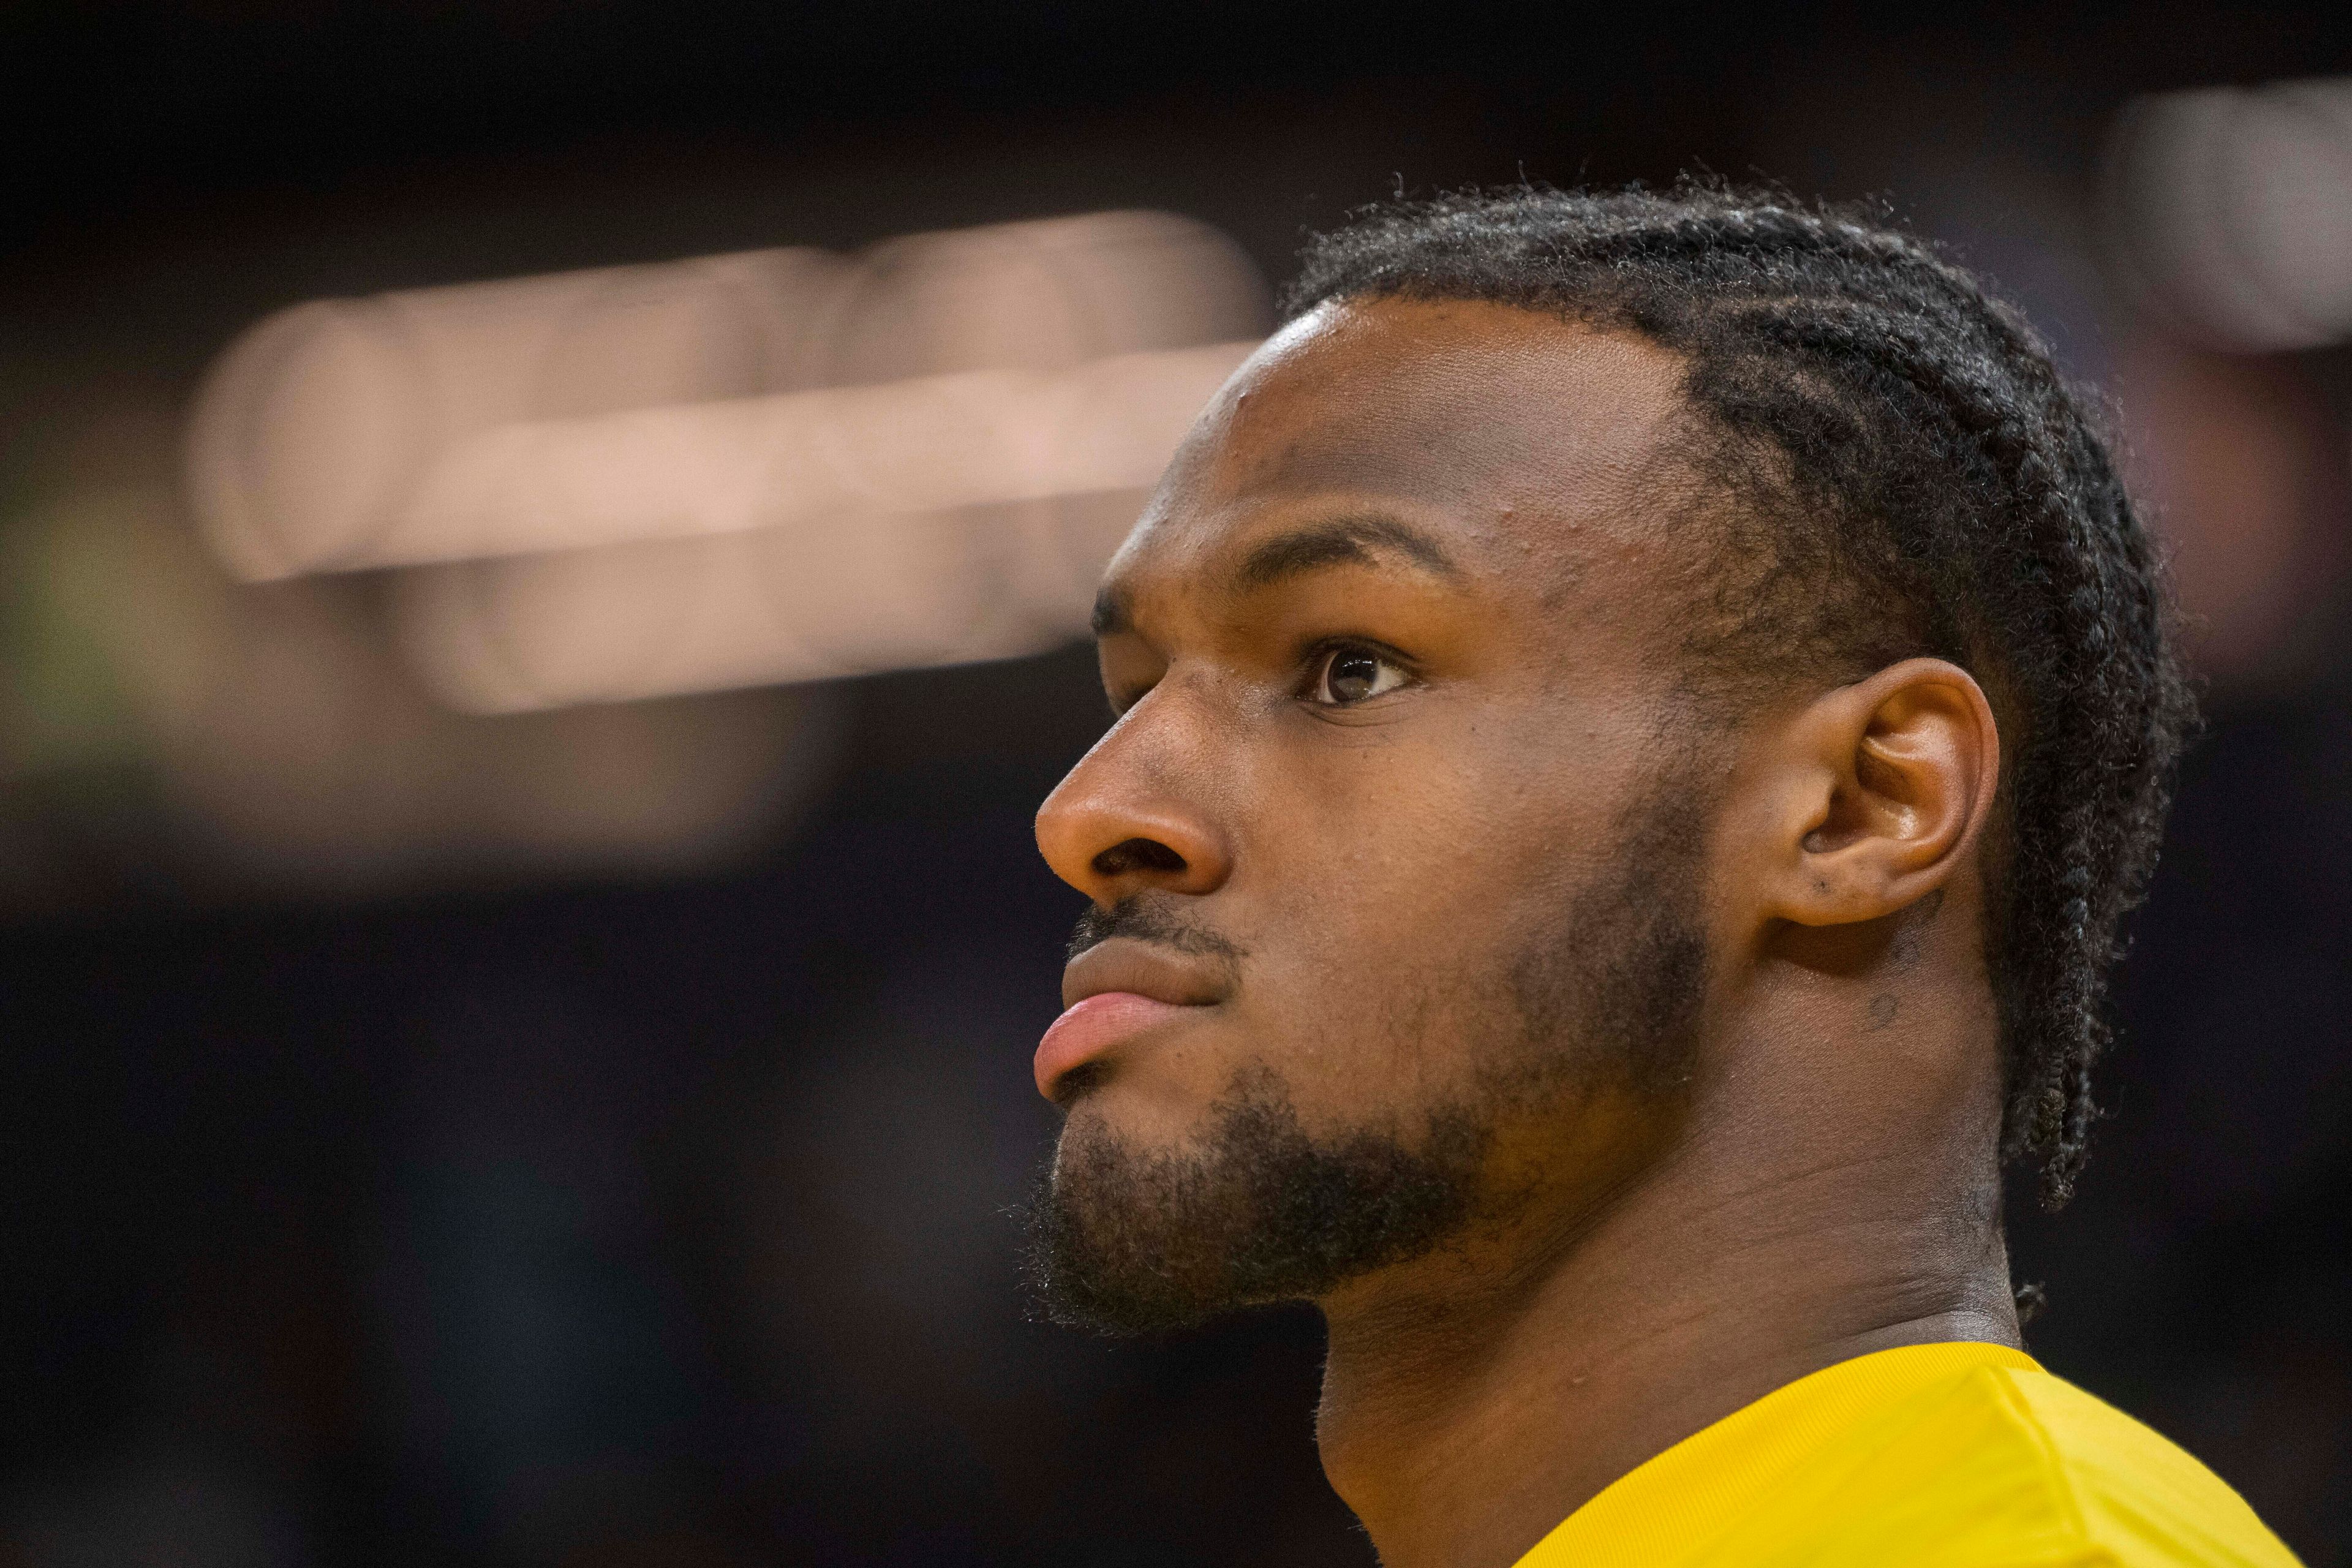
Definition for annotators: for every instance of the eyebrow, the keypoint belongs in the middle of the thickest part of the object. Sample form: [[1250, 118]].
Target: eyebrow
[[1350, 541]]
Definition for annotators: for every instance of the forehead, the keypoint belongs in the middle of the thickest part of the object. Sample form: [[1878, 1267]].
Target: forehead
[[1521, 439]]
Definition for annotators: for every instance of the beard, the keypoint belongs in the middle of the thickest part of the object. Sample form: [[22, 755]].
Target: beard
[[1254, 1210]]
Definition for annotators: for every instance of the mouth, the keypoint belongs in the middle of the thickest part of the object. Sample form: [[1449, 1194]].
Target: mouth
[[1115, 990]]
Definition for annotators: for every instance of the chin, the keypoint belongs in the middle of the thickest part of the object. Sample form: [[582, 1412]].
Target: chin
[[1135, 1229]]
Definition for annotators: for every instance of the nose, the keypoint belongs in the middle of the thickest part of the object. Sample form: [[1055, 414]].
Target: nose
[[1133, 817]]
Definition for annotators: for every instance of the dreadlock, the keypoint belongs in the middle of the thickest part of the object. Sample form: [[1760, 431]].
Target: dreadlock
[[1912, 476]]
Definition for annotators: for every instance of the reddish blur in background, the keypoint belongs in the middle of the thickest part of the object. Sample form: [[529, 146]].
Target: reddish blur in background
[[523, 941]]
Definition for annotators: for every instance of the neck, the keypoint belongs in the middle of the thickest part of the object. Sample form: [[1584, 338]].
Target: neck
[[1472, 1401]]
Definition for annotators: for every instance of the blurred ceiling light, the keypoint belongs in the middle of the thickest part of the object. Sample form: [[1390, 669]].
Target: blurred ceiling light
[[2232, 210], [932, 444], [590, 407], [314, 424], [854, 593], [1040, 296]]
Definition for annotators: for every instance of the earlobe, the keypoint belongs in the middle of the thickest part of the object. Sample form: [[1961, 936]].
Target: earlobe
[[1894, 778]]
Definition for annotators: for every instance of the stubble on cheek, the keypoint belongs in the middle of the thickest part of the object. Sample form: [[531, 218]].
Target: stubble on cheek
[[1444, 1104]]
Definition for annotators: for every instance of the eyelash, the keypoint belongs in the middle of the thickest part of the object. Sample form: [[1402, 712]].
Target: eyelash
[[1318, 664], [1319, 667]]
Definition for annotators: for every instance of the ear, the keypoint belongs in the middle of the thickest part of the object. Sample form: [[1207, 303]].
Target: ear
[[1885, 787]]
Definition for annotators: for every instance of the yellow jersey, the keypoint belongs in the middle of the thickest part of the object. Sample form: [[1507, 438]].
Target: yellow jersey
[[1942, 1455]]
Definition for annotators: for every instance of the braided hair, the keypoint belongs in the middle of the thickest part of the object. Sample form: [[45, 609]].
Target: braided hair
[[1909, 474]]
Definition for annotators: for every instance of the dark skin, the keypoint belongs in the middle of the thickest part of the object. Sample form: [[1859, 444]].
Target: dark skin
[[1394, 648]]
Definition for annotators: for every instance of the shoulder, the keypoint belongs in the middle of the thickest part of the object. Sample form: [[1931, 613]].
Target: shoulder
[[2139, 1495], [2009, 1467], [1952, 1454]]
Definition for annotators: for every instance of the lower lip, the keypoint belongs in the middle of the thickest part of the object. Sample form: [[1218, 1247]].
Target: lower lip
[[1093, 1027]]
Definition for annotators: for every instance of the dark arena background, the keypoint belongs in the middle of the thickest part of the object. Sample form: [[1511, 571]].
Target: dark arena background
[[518, 1032]]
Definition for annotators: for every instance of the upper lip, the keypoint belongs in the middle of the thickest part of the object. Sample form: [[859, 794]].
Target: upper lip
[[1147, 969]]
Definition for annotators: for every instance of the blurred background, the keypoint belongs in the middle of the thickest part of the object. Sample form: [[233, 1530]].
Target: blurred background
[[516, 757]]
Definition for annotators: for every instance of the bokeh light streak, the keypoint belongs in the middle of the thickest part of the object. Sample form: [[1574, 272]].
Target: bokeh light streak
[[932, 444], [2232, 211], [852, 596], [584, 408]]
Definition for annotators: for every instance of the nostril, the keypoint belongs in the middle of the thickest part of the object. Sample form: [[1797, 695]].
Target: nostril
[[1137, 855]]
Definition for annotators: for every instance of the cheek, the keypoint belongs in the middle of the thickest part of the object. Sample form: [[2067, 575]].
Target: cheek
[[1387, 914], [1395, 848]]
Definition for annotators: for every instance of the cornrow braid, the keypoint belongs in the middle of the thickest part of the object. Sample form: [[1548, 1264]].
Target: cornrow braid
[[1914, 476]]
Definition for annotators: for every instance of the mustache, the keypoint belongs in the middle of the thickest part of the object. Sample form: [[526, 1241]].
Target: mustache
[[1141, 917]]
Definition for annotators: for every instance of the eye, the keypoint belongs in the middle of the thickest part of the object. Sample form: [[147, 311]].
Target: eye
[[1346, 676]]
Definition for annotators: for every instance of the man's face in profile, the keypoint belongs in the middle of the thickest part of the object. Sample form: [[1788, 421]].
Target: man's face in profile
[[1397, 847]]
